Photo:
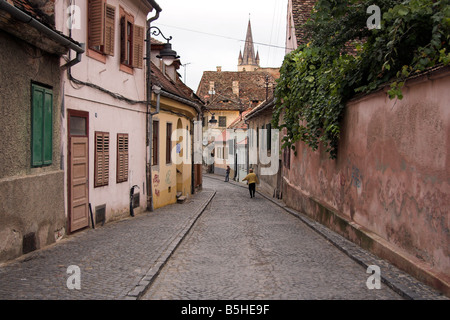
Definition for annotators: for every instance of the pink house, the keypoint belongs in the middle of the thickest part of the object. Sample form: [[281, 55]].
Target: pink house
[[104, 110]]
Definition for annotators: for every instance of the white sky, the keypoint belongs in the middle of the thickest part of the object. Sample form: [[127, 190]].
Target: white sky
[[210, 33]]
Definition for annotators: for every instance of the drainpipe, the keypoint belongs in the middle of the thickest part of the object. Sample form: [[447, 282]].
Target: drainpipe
[[23, 17], [150, 206]]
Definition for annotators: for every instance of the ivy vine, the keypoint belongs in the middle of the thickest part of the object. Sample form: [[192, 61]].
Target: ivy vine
[[343, 58]]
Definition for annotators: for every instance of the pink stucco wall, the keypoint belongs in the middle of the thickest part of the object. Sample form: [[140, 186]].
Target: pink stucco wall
[[392, 174]]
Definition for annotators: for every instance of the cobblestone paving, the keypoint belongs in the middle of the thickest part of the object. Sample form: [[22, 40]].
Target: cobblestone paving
[[242, 248], [116, 261]]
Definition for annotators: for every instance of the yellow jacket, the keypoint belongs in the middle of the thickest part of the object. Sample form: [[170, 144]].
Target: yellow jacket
[[251, 178]]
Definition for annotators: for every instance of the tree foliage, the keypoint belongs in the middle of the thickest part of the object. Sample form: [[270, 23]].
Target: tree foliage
[[343, 57]]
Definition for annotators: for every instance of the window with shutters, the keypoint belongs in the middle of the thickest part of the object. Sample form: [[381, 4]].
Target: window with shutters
[[122, 157], [41, 126], [155, 142], [101, 27], [222, 121], [131, 41], [169, 143], [101, 170]]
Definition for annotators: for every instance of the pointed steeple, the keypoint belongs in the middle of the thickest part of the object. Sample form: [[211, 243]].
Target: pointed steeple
[[249, 61]]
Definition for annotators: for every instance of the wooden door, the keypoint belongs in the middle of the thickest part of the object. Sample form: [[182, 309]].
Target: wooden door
[[79, 183], [78, 170]]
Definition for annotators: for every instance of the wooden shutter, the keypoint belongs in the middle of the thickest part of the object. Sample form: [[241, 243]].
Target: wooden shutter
[[169, 143], [42, 126], [96, 23], [101, 174], [122, 157], [138, 46], [155, 144], [110, 13]]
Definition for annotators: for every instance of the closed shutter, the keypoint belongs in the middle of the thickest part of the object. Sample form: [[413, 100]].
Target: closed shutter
[[122, 157], [169, 143], [42, 126], [96, 23], [222, 121], [138, 46], [109, 29], [155, 144], [101, 174]]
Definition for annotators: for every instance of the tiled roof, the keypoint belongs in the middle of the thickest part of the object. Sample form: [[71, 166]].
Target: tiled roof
[[301, 11], [252, 89], [177, 88]]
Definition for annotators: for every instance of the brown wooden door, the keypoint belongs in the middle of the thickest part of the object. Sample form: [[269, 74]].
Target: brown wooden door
[[79, 183], [78, 170]]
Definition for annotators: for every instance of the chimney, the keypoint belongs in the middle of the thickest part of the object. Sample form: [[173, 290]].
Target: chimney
[[219, 69]]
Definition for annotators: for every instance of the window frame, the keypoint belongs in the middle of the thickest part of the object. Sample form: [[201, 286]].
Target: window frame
[[104, 159], [131, 43], [100, 29], [221, 119], [169, 142], [41, 125], [122, 164], [155, 143]]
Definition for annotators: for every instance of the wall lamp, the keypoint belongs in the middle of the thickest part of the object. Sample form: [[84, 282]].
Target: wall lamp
[[166, 54]]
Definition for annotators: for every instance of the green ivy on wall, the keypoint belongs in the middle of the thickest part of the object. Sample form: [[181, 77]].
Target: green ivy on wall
[[344, 57]]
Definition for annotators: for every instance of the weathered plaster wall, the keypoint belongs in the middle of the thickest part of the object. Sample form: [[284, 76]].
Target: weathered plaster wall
[[31, 199], [391, 176]]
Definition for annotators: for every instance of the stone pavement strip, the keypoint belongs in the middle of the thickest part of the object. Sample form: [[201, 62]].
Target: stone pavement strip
[[117, 261], [400, 282]]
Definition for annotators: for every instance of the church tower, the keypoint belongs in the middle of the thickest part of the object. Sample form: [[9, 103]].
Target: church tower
[[248, 61]]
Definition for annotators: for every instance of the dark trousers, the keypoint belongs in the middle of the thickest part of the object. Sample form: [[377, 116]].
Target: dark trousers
[[227, 177], [252, 189]]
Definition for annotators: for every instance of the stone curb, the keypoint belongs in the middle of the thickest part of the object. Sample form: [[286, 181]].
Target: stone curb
[[402, 283], [139, 290]]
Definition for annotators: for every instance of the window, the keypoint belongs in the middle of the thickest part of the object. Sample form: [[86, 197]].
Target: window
[[101, 170], [101, 26], [155, 143], [269, 136], [42, 126], [122, 157], [168, 143], [222, 121], [131, 42]]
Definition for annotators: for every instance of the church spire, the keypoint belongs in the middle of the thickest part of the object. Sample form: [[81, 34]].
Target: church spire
[[249, 61]]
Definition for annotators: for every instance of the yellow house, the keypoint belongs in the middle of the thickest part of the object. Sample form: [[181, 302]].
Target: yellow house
[[174, 109]]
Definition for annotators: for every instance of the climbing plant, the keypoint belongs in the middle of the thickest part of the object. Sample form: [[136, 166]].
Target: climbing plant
[[343, 57]]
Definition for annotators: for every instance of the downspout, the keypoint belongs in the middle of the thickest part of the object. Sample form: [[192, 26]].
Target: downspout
[[150, 206]]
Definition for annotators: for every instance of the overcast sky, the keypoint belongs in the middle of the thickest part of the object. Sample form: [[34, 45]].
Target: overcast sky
[[210, 33]]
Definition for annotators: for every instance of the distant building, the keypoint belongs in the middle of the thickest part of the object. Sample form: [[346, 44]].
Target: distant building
[[228, 95]]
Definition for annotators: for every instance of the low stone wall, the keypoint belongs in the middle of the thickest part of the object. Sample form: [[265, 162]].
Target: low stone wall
[[31, 213]]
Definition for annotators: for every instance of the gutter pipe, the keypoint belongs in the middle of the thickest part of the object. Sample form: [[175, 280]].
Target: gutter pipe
[[150, 206], [26, 18]]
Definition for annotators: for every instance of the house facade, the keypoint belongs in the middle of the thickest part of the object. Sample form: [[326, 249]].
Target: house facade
[[31, 165], [104, 123]]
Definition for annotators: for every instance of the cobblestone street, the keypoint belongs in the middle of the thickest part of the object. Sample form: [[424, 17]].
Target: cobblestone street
[[243, 248], [219, 244]]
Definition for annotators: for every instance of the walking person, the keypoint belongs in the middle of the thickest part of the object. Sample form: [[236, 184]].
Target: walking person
[[227, 176], [252, 180]]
